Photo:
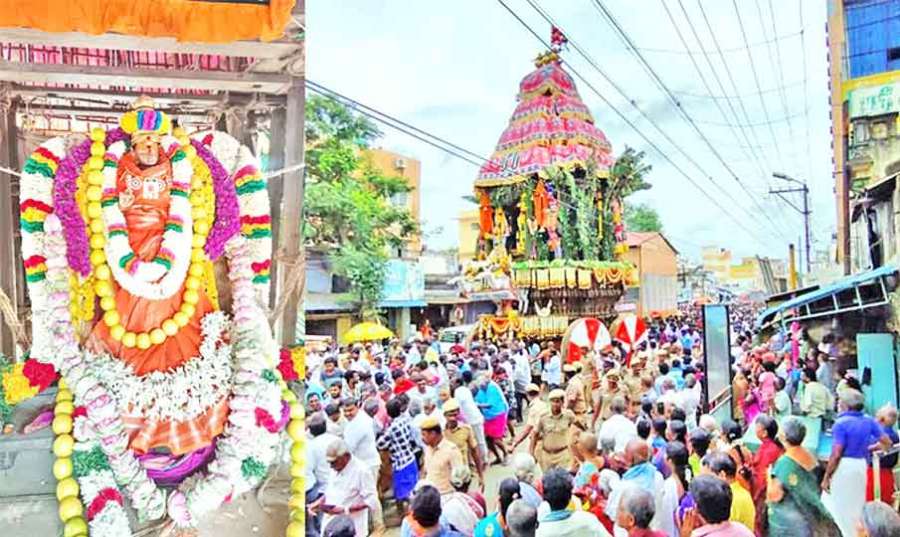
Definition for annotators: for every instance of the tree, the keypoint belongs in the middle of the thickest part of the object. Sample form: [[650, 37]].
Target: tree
[[347, 200], [642, 217]]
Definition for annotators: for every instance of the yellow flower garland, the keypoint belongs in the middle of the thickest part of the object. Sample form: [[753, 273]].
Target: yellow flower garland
[[16, 387], [102, 274], [202, 174], [297, 501]]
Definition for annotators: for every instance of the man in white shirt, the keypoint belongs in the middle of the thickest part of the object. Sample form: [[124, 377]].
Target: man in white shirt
[[429, 411], [552, 375], [359, 435], [521, 378], [618, 427], [351, 491], [469, 409], [689, 401], [318, 471]]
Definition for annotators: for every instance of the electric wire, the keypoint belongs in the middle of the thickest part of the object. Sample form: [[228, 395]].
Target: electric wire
[[756, 80], [623, 35], [634, 127], [778, 70]]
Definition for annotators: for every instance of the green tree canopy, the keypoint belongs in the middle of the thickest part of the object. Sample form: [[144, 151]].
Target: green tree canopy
[[347, 201], [642, 217]]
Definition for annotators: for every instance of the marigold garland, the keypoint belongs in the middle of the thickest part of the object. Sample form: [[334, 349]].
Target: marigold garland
[[16, 387]]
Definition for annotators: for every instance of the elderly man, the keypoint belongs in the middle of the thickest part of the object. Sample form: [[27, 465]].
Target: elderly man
[[359, 434], [441, 456], [561, 522], [636, 509], [618, 427], [640, 474], [887, 419], [350, 491], [470, 412], [710, 518], [318, 471], [521, 519], [844, 489]]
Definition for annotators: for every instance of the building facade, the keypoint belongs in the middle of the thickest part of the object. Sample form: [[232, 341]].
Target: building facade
[[864, 77], [397, 165], [657, 264]]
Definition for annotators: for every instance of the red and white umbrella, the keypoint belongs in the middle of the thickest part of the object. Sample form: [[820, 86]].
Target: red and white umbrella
[[586, 332], [631, 332]]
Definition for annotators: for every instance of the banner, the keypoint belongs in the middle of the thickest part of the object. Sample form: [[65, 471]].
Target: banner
[[874, 100], [717, 356]]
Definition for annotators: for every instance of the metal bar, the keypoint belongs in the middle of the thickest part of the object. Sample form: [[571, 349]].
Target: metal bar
[[162, 98], [144, 78], [272, 50], [278, 125]]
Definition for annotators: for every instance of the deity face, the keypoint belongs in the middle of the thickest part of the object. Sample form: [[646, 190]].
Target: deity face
[[146, 149]]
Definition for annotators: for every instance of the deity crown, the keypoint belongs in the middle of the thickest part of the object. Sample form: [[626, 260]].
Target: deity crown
[[144, 119]]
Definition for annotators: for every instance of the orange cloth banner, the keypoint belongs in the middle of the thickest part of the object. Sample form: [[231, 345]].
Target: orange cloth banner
[[185, 20]]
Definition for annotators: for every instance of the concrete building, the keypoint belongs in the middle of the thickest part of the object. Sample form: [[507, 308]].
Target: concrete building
[[657, 263], [864, 74], [717, 261], [468, 234], [397, 165]]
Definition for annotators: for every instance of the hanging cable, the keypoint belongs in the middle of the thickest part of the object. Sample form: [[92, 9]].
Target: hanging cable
[[776, 66], [756, 81], [623, 35]]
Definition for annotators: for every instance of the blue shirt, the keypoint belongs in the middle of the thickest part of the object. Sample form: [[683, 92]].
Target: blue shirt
[[855, 432], [492, 396]]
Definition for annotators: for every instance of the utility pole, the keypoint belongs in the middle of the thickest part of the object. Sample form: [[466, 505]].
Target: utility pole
[[805, 212]]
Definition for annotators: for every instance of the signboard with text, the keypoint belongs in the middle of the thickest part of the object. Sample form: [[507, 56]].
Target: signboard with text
[[404, 284], [874, 100]]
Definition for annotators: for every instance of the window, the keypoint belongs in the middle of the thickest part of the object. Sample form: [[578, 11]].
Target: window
[[400, 199], [893, 54], [860, 133], [879, 130]]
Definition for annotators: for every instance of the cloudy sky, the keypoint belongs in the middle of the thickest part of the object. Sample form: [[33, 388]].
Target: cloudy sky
[[453, 68]]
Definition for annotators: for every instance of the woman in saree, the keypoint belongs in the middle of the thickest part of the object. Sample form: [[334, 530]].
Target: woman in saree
[[793, 493], [769, 451]]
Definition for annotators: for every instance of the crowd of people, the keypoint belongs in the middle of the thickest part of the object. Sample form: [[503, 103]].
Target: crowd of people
[[613, 443]]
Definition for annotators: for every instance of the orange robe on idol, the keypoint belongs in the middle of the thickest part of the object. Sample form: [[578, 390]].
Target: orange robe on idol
[[146, 221]]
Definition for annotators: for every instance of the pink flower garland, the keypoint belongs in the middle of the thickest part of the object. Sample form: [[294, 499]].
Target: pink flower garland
[[66, 208], [227, 222]]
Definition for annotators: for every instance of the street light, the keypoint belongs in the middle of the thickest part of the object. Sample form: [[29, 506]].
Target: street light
[[804, 189]]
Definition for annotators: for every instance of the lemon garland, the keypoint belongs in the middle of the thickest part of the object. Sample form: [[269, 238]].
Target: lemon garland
[[295, 430], [81, 290], [71, 508], [102, 273]]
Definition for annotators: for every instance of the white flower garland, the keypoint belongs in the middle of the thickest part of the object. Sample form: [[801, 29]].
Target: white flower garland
[[244, 442], [112, 520], [149, 279], [181, 394]]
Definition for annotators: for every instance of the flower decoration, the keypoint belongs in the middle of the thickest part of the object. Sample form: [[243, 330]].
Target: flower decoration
[[40, 375], [286, 365]]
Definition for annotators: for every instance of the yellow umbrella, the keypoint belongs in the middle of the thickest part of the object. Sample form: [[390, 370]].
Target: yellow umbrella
[[367, 332]]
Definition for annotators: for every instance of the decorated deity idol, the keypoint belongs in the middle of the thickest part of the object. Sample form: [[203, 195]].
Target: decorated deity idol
[[170, 395]]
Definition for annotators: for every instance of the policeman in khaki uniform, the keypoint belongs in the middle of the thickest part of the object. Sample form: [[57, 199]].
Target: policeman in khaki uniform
[[575, 400], [554, 431], [588, 375], [537, 408], [611, 387], [632, 378]]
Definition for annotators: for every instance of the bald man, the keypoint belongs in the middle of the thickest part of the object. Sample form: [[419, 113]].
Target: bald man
[[641, 474]]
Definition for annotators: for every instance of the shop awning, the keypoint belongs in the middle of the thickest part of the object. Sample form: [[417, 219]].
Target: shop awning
[[854, 293]]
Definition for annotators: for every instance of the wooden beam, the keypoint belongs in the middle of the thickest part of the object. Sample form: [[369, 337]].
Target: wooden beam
[[290, 240], [273, 50], [276, 191], [9, 221], [219, 81]]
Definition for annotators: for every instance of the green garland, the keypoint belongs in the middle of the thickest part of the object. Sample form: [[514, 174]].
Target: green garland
[[6, 409], [252, 468], [85, 462]]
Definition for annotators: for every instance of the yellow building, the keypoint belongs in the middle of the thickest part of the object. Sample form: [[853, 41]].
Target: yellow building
[[468, 234], [717, 261], [397, 165]]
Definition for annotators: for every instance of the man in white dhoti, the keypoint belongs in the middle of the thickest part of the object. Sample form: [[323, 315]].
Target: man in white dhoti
[[844, 486]]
